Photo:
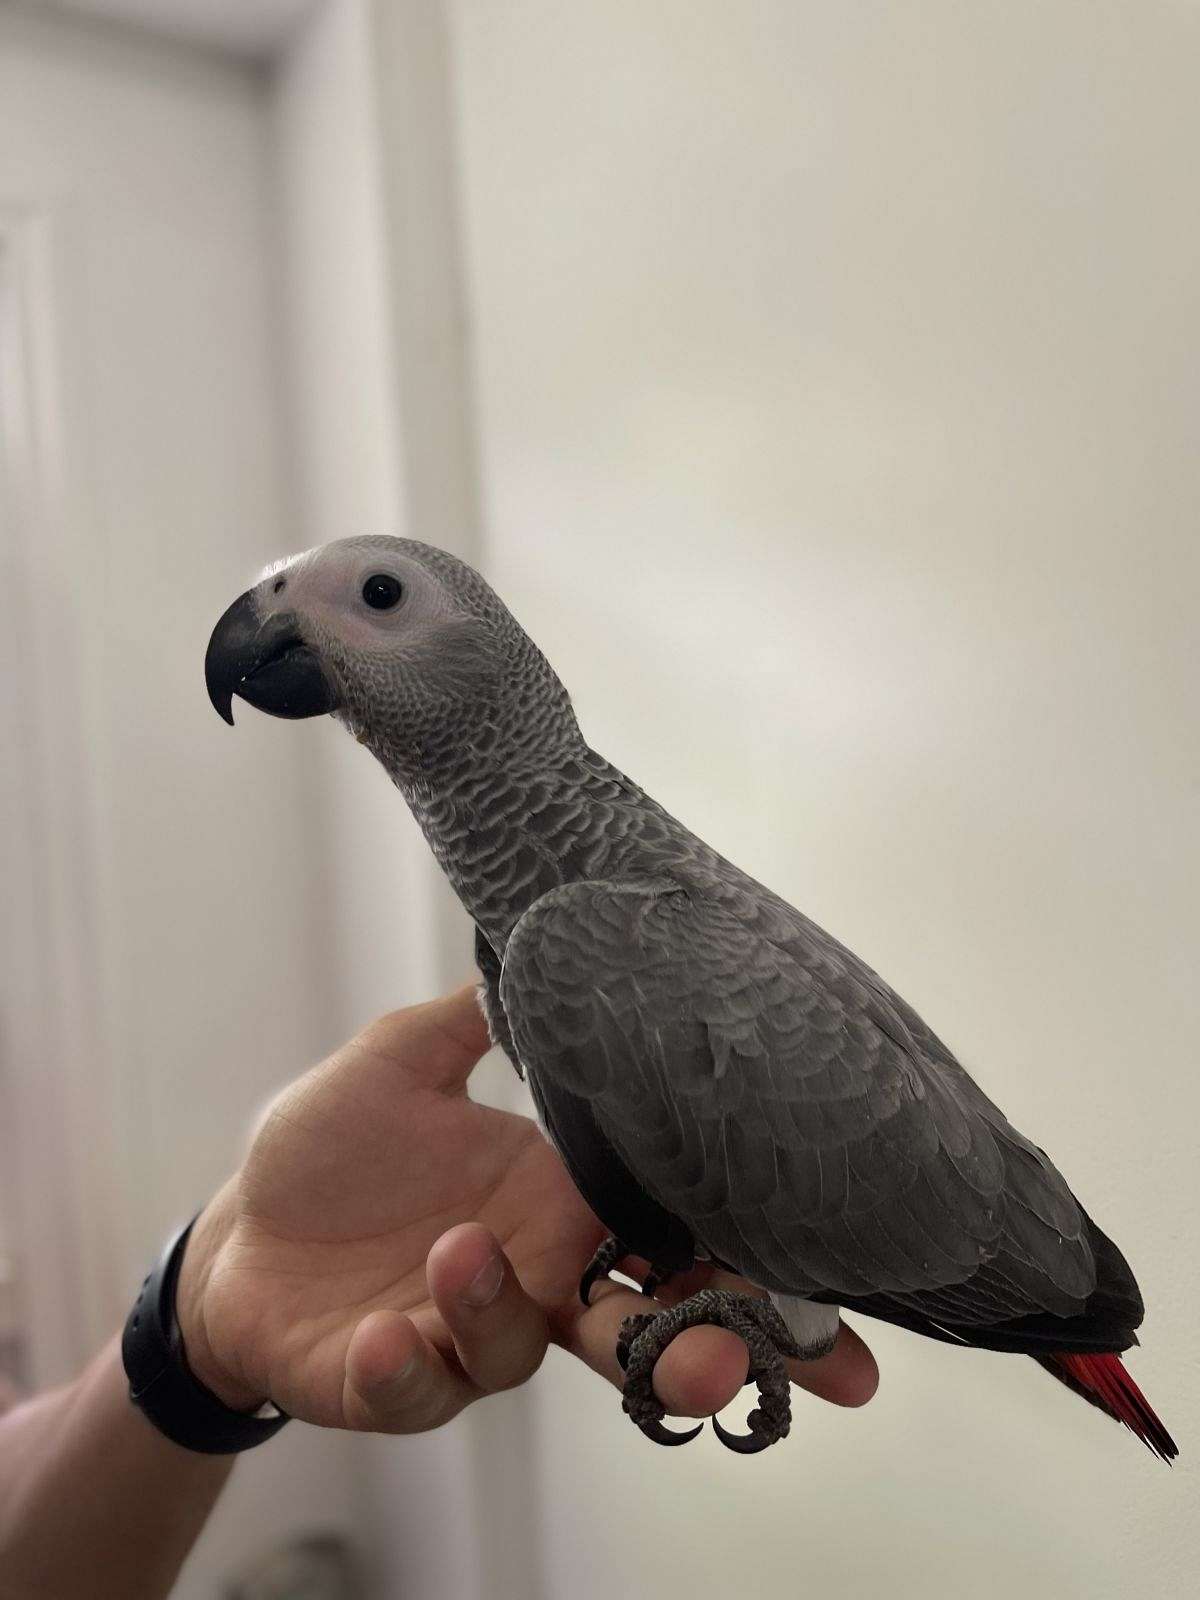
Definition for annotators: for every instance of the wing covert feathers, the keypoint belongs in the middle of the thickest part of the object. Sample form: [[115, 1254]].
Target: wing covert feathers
[[768, 1089]]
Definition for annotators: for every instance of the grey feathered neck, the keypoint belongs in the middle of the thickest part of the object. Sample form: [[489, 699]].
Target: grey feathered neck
[[497, 773]]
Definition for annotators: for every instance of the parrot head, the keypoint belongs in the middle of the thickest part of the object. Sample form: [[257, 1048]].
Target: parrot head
[[396, 639]]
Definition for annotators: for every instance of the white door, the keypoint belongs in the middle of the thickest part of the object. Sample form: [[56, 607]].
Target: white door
[[148, 1001]]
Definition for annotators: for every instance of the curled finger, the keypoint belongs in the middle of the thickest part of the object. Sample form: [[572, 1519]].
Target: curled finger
[[396, 1381], [499, 1333]]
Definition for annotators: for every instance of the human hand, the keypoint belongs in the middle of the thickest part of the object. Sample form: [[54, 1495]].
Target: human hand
[[391, 1251]]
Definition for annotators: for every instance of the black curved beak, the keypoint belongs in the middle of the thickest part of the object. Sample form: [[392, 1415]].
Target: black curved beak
[[267, 663]]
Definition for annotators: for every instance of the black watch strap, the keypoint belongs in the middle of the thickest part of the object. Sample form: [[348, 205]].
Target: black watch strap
[[160, 1381]]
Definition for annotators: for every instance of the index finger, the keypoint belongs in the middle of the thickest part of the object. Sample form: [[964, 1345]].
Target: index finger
[[437, 1043]]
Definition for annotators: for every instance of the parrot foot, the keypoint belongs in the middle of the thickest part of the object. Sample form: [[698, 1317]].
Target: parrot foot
[[643, 1339], [607, 1256]]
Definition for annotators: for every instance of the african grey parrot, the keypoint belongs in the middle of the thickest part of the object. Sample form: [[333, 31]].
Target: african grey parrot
[[723, 1080]]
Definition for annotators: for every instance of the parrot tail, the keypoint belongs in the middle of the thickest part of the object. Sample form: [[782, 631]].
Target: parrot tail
[[1103, 1380]]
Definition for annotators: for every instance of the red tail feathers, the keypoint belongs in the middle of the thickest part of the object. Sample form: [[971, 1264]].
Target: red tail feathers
[[1103, 1380]]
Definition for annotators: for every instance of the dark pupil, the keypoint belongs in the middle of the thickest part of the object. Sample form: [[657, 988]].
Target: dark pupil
[[381, 592]]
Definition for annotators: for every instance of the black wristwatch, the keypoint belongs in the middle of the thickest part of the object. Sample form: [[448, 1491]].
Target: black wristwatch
[[161, 1383]]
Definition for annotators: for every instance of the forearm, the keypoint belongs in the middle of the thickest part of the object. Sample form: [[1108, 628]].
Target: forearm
[[83, 1472]]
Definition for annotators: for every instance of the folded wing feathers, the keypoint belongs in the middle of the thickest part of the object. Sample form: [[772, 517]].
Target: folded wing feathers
[[768, 1089]]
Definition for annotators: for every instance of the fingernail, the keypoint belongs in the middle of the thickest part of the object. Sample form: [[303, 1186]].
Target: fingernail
[[485, 1285]]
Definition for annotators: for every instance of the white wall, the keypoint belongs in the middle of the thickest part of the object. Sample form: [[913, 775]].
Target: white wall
[[151, 167], [838, 400]]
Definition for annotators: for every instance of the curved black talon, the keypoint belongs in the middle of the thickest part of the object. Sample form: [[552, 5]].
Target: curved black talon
[[590, 1279], [742, 1444], [661, 1435], [605, 1259]]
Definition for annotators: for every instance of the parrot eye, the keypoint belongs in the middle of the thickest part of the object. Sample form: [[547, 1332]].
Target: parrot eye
[[381, 591]]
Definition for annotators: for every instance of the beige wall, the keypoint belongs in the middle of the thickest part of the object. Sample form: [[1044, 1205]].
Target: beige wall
[[838, 389]]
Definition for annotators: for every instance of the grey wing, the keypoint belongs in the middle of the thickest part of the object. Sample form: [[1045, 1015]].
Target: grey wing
[[767, 1089], [596, 1169]]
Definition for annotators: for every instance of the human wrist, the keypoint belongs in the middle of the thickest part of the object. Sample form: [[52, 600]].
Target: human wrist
[[209, 1236]]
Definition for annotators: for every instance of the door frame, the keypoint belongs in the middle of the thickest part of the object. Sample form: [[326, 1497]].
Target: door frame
[[56, 1080]]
